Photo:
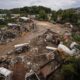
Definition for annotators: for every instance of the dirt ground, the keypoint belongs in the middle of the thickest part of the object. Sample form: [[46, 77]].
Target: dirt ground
[[19, 72], [41, 25]]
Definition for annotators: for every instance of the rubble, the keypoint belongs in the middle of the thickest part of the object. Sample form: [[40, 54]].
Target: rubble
[[24, 19], [68, 51], [48, 38], [19, 48], [16, 30], [51, 48], [67, 36], [7, 36], [32, 75], [65, 49], [5, 74], [73, 44], [37, 59]]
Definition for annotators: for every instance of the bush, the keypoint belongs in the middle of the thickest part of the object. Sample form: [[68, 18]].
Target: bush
[[42, 15], [76, 37], [71, 70]]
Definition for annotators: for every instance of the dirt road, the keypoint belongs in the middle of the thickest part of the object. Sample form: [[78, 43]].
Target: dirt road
[[19, 72], [42, 26]]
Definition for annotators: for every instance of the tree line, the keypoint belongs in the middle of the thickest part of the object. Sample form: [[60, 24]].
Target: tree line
[[42, 13]]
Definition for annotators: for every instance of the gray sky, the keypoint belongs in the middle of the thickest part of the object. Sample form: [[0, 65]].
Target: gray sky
[[53, 4]]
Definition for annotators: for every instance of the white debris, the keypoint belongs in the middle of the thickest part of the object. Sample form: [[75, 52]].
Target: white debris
[[73, 44], [20, 45], [11, 24], [51, 48], [5, 71], [24, 18], [65, 49]]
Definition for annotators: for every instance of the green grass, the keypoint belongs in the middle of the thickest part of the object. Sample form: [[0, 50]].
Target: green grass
[[76, 37], [1, 26]]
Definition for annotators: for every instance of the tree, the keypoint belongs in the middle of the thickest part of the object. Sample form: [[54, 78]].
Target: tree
[[42, 15], [71, 70], [54, 16]]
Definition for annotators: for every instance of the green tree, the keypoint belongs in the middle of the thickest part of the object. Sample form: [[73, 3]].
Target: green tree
[[54, 16], [71, 70], [42, 15]]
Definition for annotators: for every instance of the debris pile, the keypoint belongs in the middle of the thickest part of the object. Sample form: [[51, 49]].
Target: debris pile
[[49, 38], [15, 30], [6, 36], [37, 59], [5, 74], [19, 48], [5, 61]]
